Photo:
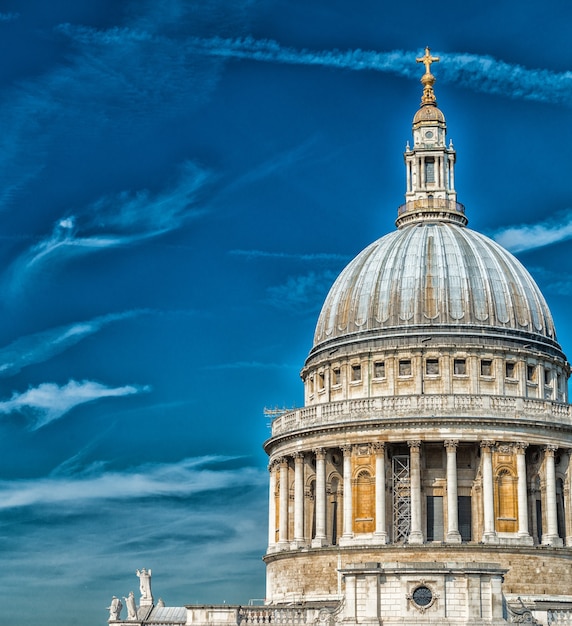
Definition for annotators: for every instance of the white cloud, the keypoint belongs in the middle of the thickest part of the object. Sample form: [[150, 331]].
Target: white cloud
[[48, 402], [531, 236], [263, 254], [183, 478], [9, 17], [120, 220], [480, 73], [158, 515], [302, 293], [42, 346]]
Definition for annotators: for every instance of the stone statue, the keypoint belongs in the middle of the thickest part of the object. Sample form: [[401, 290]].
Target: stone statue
[[131, 608], [145, 586], [115, 609]]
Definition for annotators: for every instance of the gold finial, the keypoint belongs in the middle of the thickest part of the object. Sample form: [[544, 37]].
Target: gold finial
[[428, 80]]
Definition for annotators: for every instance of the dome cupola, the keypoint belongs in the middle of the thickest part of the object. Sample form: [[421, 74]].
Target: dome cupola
[[430, 164]]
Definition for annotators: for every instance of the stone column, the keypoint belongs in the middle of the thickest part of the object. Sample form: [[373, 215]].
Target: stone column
[[551, 536], [283, 511], [298, 500], [380, 533], [272, 507], [348, 500], [320, 538], [453, 535], [408, 175], [523, 533], [489, 533], [415, 534]]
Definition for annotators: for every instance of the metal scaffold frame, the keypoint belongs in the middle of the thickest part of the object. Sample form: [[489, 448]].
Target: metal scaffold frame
[[401, 498]]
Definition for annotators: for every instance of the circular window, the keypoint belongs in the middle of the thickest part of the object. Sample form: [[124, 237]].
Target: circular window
[[422, 596], [429, 134]]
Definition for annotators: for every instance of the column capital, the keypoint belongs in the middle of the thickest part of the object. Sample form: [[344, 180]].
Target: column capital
[[320, 453], [298, 457], [451, 444], [346, 449], [379, 446], [550, 449], [487, 444], [414, 445], [520, 447], [282, 461]]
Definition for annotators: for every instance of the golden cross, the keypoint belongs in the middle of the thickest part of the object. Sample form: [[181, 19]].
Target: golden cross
[[427, 60]]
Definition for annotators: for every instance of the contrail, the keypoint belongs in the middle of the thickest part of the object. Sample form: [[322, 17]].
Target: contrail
[[480, 73]]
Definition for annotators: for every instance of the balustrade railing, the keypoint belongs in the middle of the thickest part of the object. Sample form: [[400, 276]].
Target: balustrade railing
[[269, 615], [429, 406], [559, 617]]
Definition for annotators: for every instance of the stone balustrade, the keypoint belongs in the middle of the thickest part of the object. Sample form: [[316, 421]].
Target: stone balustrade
[[411, 406]]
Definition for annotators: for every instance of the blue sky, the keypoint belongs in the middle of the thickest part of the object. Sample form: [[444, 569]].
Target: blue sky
[[180, 183]]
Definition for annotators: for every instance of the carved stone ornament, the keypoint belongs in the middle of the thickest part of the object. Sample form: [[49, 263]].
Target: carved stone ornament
[[521, 614], [364, 449]]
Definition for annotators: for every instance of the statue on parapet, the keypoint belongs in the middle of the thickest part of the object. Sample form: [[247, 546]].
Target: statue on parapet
[[144, 576], [131, 608], [115, 609]]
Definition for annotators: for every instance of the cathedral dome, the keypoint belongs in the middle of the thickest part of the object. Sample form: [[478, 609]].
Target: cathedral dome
[[434, 275]]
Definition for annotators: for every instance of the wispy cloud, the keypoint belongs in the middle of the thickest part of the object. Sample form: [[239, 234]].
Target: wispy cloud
[[9, 17], [531, 236], [481, 73], [478, 72], [182, 478], [144, 515], [109, 83], [40, 347], [263, 254], [302, 293], [48, 402], [112, 221]]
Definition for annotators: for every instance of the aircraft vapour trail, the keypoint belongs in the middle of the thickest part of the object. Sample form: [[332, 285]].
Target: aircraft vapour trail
[[478, 72]]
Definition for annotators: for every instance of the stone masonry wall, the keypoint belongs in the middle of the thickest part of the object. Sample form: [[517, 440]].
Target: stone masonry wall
[[313, 574]]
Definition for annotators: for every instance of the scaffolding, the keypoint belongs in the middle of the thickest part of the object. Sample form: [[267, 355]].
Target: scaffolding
[[401, 498]]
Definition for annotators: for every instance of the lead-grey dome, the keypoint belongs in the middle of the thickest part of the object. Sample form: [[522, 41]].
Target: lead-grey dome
[[434, 275]]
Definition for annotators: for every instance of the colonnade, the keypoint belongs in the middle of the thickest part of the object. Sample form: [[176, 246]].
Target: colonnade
[[285, 533]]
